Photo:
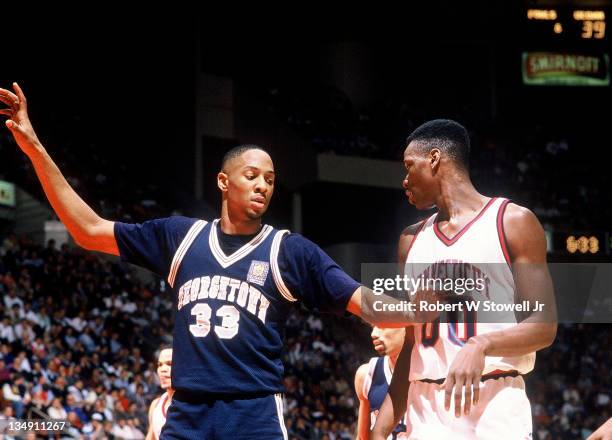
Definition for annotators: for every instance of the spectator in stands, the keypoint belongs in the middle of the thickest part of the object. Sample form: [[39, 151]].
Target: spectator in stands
[[56, 410], [16, 393]]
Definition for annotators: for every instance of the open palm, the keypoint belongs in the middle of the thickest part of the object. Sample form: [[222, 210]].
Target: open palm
[[19, 123]]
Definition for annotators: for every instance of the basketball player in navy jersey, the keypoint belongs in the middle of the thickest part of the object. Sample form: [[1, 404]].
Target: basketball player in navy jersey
[[466, 380], [159, 406], [373, 378], [234, 279]]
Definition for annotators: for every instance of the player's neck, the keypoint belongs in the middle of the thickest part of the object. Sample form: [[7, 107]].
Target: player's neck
[[170, 392], [235, 226], [458, 197]]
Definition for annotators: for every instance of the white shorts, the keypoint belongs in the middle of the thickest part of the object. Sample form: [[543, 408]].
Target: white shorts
[[503, 412]]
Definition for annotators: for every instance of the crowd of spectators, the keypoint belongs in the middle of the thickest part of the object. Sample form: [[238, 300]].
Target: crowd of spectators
[[570, 389], [77, 337]]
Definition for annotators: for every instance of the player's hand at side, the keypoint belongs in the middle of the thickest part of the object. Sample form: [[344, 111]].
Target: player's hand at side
[[604, 432], [18, 121], [463, 378]]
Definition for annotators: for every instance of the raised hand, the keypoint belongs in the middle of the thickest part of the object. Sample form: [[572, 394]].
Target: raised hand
[[19, 123]]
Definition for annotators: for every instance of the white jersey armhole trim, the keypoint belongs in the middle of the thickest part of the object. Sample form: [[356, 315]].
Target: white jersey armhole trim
[[367, 381], [276, 274], [182, 249]]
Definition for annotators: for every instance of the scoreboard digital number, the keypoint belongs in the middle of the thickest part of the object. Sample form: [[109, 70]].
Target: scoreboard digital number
[[582, 24], [593, 24]]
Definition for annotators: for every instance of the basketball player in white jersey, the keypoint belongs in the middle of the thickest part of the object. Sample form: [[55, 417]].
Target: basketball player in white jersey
[[372, 379], [466, 380], [159, 406]]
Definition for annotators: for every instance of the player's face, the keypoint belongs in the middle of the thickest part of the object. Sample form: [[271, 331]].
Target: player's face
[[419, 182], [250, 183], [164, 368], [387, 341]]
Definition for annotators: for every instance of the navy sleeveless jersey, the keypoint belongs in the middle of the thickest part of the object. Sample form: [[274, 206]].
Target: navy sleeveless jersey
[[230, 310], [380, 381]]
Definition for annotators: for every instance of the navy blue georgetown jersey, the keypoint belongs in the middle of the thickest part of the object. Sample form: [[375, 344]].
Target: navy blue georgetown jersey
[[231, 309], [375, 388]]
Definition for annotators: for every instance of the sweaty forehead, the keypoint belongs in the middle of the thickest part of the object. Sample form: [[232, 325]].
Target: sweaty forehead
[[251, 158]]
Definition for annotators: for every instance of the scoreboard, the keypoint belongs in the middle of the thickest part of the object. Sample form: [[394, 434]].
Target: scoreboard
[[566, 45], [567, 23]]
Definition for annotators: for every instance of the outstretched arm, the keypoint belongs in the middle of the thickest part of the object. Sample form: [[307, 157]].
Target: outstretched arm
[[384, 310], [381, 310], [88, 230]]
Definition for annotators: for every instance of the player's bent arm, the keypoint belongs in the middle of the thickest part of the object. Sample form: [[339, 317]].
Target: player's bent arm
[[150, 435], [85, 226], [527, 248], [363, 420], [395, 403]]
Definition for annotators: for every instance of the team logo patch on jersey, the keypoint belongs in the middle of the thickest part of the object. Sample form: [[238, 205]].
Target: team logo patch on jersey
[[258, 272]]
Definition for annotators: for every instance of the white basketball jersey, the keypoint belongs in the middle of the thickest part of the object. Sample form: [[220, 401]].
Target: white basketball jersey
[[158, 418], [479, 245]]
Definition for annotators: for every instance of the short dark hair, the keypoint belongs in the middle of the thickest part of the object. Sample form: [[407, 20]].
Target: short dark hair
[[165, 346], [237, 152], [449, 136]]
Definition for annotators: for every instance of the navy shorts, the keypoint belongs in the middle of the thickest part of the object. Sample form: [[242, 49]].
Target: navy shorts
[[219, 419]]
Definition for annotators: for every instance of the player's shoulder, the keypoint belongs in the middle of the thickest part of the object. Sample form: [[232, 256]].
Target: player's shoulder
[[181, 221], [171, 223], [178, 226], [517, 217], [517, 212], [360, 377], [409, 232], [154, 403], [523, 233], [296, 243], [362, 371], [407, 237]]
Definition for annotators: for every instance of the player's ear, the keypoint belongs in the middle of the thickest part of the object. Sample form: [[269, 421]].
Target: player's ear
[[222, 181], [434, 158]]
